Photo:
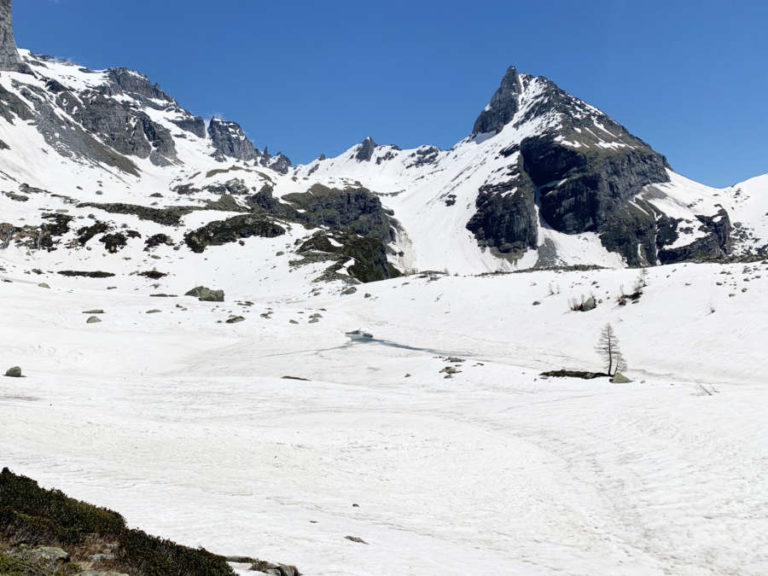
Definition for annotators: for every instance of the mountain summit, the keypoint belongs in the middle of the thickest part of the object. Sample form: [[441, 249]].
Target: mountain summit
[[503, 106]]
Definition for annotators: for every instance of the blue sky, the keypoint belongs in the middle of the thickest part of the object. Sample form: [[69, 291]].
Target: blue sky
[[691, 78]]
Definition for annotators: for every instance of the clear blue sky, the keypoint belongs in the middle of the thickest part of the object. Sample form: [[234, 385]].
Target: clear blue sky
[[309, 77]]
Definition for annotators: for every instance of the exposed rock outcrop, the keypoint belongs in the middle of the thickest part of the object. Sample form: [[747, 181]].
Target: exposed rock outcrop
[[365, 150], [591, 189], [11, 107], [365, 259], [229, 140], [128, 131], [506, 216], [357, 210], [9, 54], [586, 173], [715, 244], [279, 162], [67, 138], [233, 229], [195, 125], [503, 106], [167, 216], [123, 80]]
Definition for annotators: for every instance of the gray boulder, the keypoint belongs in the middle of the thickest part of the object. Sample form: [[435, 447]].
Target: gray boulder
[[205, 294], [585, 305], [14, 372], [93, 320], [48, 555], [274, 569]]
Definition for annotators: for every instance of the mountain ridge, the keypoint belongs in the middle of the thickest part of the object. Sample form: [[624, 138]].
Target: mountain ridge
[[543, 179]]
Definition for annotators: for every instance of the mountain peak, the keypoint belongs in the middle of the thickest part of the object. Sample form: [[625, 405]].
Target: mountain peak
[[365, 150], [503, 105], [9, 54]]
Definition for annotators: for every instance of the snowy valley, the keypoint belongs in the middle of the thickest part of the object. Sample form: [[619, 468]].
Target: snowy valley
[[248, 421]]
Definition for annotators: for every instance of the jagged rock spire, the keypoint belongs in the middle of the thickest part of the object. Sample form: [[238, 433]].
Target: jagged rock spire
[[9, 54], [365, 150], [503, 106]]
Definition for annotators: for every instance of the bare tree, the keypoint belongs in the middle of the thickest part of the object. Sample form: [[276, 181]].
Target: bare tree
[[608, 348]]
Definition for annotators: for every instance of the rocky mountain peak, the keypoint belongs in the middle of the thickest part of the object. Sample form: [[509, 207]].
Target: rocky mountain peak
[[503, 106], [365, 150], [128, 81], [230, 140], [9, 54]]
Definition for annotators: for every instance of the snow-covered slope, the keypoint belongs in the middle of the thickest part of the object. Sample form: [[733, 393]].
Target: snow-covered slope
[[277, 437], [58, 133]]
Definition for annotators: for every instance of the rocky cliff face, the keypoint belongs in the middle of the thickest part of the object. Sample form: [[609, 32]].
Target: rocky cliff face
[[503, 106], [591, 189], [229, 140], [506, 217], [9, 55]]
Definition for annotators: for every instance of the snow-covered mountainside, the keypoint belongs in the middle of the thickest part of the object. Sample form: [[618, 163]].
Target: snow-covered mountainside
[[543, 180], [546, 180]]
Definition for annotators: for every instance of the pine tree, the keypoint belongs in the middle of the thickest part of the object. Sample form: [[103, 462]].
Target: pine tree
[[608, 348]]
